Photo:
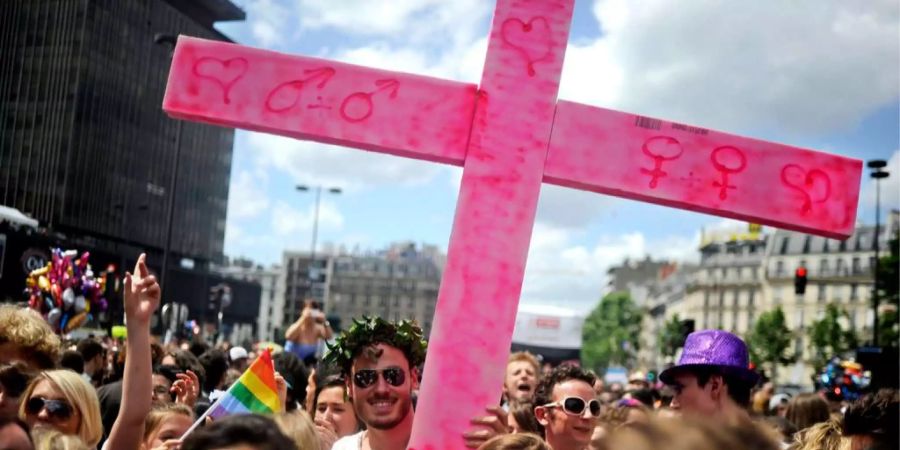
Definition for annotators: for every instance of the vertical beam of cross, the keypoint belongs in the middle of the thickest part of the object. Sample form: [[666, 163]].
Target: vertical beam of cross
[[479, 295]]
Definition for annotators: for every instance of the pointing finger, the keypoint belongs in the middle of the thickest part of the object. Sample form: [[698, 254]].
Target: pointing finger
[[142, 265]]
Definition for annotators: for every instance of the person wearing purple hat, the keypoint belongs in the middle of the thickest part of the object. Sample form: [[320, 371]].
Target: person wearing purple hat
[[712, 377]]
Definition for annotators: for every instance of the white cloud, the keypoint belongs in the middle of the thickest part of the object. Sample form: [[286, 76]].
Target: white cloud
[[570, 208], [566, 273], [268, 22], [319, 164], [247, 197], [288, 221], [414, 19], [804, 66]]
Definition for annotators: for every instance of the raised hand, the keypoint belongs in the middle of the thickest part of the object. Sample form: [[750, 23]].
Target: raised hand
[[142, 293], [487, 427], [327, 435], [186, 388]]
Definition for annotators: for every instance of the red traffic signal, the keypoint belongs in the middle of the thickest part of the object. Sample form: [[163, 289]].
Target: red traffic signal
[[800, 281]]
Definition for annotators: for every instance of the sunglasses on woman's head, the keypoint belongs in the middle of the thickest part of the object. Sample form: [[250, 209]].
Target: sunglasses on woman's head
[[575, 406], [56, 409], [393, 376]]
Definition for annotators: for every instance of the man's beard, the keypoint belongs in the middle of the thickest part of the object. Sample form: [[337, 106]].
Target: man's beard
[[404, 404]]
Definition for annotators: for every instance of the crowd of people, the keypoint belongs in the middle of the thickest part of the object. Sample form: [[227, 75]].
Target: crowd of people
[[138, 394]]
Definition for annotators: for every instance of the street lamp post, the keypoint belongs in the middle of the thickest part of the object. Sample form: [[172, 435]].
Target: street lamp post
[[170, 40], [315, 229], [878, 174]]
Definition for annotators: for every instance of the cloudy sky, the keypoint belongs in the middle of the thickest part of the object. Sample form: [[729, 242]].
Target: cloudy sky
[[820, 74]]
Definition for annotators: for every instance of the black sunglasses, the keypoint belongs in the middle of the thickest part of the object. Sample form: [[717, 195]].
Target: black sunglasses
[[56, 409], [364, 378], [575, 406]]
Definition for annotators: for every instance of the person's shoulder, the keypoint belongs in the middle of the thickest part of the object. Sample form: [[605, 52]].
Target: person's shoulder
[[348, 442]]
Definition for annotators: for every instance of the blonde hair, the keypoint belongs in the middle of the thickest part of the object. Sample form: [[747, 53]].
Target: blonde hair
[[26, 329], [822, 436], [515, 441], [52, 439], [527, 357], [160, 412], [80, 396], [297, 426], [806, 410]]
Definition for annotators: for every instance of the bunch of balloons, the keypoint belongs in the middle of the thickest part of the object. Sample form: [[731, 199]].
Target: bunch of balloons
[[846, 379], [65, 291]]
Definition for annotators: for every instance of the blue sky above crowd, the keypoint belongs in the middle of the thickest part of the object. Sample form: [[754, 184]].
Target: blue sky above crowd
[[821, 74]]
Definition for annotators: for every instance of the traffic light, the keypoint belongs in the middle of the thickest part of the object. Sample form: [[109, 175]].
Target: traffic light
[[800, 281]]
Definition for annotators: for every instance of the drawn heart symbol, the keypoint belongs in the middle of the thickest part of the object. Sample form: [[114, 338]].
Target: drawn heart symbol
[[531, 39], [225, 73], [814, 185]]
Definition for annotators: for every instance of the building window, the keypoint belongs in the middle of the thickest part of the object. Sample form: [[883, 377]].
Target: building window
[[821, 293], [854, 292], [806, 244], [779, 268], [854, 267], [784, 245], [839, 267], [823, 267]]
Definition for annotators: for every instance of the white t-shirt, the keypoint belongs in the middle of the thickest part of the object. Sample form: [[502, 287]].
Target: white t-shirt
[[351, 442]]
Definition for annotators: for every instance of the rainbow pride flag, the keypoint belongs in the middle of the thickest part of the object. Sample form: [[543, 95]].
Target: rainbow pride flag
[[253, 392]]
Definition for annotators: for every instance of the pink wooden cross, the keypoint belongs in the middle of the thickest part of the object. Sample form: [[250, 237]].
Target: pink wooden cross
[[510, 134]]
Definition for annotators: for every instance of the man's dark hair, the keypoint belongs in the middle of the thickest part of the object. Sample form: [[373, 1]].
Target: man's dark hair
[[72, 360], [90, 348], [523, 413], [368, 332], [294, 372], [186, 360], [170, 372], [215, 364], [738, 389], [561, 374], [198, 348], [875, 415], [646, 396], [255, 430]]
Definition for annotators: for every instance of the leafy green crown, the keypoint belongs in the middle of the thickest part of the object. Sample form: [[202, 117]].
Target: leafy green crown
[[405, 335]]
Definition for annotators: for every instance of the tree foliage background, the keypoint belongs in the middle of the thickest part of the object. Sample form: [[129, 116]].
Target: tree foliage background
[[828, 338], [888, 281], [769, 341], [671, 337], [611, 332]]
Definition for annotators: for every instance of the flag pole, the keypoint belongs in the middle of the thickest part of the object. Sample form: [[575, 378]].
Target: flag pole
[[202, 417]]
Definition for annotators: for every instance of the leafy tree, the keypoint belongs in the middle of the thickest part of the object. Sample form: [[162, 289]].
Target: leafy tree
[[770, 340], [827, 338], [888, 281], [671, 337], [611, 331]]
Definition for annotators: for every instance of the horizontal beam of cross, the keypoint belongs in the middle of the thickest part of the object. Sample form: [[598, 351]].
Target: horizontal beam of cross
[[592, 149]]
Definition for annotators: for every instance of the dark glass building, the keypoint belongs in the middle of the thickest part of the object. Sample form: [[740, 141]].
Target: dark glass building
[[85, 147]]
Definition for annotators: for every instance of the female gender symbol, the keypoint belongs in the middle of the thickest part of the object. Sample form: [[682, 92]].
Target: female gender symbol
[[365, 98], [725, 170], [671, 149]]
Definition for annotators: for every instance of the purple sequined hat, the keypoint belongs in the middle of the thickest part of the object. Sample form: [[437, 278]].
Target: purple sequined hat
[[713, 348]]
